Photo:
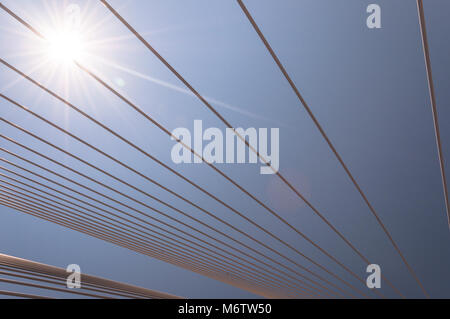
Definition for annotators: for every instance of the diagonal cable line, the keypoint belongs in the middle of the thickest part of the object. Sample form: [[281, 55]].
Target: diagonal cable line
[[146, 238], [228, 125], [20, 208], [176, 245], [213, 167], [122, 204], [104, 237], [42, 185], [56, 273], [121, 211], [71, 203], [184, 178], [211, 108], [70, 154], [6, 268], [19, 274], [331, 146], [191, 256], [426, 53], [58, 212], [23, 283], [58, 163], [111, 175], [45, 214], [32, 200], [21, 295], [124, 238], [58, 208]]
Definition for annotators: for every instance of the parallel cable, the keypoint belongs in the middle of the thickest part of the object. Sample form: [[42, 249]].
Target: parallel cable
[[69, 202], [138, 243], [212, 109], [208, 163], [193, 255], [426, 52], [7, 269], [39, 273], [52, 272], [200, 156], [85, 162], [29, 200], [86, 203], [189, 263], [60, 282], [129, 207], [183, 263], [159, 254], [32, 200], [189, 181], [339, 158], [108, 239], [37, 269], [97, 232], [102, 184], [10, 268], [22, 283], [21, 295], [109, 218], [108, 174], [48, 217]]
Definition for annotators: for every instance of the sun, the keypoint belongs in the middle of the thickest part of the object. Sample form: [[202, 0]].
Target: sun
[[65, 46]]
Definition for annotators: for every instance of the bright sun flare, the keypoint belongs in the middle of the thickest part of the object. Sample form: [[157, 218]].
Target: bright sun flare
[[65, 46]]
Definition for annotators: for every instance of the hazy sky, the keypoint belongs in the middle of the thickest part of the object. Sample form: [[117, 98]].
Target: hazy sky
[[366, 86]]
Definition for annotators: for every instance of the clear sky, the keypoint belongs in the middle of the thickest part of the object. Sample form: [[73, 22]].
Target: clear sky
[[366, 86]]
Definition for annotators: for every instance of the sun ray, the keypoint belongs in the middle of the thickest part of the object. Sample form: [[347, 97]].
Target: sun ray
[[27, 53], [102, 22], [22, 33], [114, 40], [21, 79], [48, 79], [183, 90]]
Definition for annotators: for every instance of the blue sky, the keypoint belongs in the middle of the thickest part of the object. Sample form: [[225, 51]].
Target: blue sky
[[367, 88]]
